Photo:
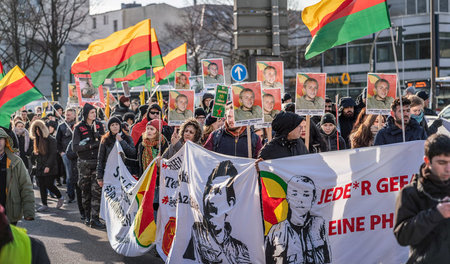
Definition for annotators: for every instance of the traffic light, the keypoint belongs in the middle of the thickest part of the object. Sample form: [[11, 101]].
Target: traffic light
[[58, 89]]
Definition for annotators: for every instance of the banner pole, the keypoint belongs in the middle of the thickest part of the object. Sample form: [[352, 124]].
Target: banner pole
[[337, 121], [61, 116], [308, 122], [249, 142], [398, 83]]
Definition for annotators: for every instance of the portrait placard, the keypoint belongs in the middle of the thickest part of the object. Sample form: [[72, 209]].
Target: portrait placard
[[270, 74], [213, 73], [182, 80], [310, 93], [247, 103], [86, 91], [181, 106], [381, 92]]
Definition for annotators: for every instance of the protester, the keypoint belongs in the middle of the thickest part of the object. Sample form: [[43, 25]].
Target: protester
[[38, 110], [364, 135], [361, 117], [189, 131], [115, 133], [134, 106], [316, 141], [59, 113], [73, 180], [200, 116], [287, 98], [211, 125], [287, 140], [141, 113], [289, 107], [330, 133], [16, 189], [129, 118], [231, 140], [52, 127], [153, 112], [347, 117], [45, 162], [361, 101], [123, 107], [329, 107], [426, 100], [392, 131], [206, 102], [410, 91], [149, 148], [63, 137], [417, 113], [24, 116], [24, 142], [86, 141], [423, 207]]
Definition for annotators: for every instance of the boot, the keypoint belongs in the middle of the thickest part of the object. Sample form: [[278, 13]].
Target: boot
[[87, 221], [95, 223]]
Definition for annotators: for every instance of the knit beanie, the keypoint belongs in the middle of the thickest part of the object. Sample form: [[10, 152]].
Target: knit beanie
[[210, 120], [328, 118], [113, 120], [285, 122]]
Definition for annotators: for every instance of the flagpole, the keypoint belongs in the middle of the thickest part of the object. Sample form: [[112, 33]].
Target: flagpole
[[398, 83], [48, 102]]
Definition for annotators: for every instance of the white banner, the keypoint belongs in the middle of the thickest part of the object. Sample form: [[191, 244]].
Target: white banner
[[336, 207], [219, 205], [130, 229], [168, 197]]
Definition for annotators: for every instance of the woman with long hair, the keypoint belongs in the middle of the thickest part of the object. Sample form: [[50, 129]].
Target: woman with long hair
[[148, 149], [364, 136], [189, 131], [44, 159], [115, 132]]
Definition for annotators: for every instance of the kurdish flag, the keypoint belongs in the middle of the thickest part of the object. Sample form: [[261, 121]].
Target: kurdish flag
[[16, 90], [118, 55], [2, 71], [336, 22], [176, 60]]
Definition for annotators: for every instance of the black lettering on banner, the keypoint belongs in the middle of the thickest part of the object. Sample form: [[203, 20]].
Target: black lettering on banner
[[175, 164], [116, 174], [183, 198], [183, 177], [171, 183]]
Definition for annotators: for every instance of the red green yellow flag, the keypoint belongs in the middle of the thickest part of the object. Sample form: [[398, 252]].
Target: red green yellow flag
[[16, 90], [336, 22], [176, 60], [118, 55], [2, 71]]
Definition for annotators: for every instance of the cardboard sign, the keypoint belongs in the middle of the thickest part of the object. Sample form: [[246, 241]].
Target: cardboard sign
[[213, 73], [310, 93], [182, 80], [247, 103], [381, 92], [181, 106], [270, 74], [86, 91]]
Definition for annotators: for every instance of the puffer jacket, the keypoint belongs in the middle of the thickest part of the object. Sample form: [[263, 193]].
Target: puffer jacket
[[419, 224], [391, 133]]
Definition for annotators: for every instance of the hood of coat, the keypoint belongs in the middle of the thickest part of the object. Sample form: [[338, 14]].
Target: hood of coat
[[86, 109], [9, 141], [41, 125]]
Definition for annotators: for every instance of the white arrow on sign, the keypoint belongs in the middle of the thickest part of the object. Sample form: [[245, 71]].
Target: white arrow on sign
[[238, 70]]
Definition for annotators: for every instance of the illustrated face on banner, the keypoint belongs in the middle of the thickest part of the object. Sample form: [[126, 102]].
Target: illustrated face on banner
[[381, 92], [182, 80], [181, 106], [87, 93], [310, 93], [247, 102], [271, 104], [270, 74], [300, 200], [213, 72]]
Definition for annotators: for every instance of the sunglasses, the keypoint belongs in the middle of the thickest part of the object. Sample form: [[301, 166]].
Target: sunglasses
[[154, 113]]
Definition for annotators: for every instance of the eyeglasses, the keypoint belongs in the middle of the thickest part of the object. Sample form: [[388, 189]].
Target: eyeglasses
[[154, 113]]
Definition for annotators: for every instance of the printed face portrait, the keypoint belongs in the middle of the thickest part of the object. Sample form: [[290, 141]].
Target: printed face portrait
[[270, 74], [381, 88], [182, 79], [181, 102], [311, 87], [300, 194], [268, 102], [213, 69], [247, 98]]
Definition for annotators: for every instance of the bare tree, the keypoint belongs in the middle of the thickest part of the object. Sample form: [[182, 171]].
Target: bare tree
[[19, 41], [60, 20]]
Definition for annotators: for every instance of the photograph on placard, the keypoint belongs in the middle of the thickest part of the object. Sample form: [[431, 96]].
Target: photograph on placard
[[196, 83], [310, 93], [181, 106], [381, 92], [270, 74], [73, 95], [182, 80], [126, 89], [247, 103], [271, 101], [213, 73], [87, 93]]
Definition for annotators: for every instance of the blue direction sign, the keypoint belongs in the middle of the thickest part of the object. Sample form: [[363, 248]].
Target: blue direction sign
[[238, 72]]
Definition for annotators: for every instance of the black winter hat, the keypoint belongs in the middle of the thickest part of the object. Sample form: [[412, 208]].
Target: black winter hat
[[86, 109], [285, 122], [347, 102], [199, 112], [290, 107], [127, 116], [328, 118], [423, 95], [113, 120], [286, 97], [206, 96], [210, 120], [57, 107], [153, 106], [143, 109], [53, 124]]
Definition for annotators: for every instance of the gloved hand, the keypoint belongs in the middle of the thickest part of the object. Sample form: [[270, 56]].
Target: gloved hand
[[437, 123]]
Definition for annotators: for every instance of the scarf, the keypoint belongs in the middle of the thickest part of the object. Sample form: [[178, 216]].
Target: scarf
[[23, 132], [149, 151], [236, 132], [418, 118]]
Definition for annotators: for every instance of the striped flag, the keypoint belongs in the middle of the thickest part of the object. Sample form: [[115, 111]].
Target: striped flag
[[176, 60], [2, 71], [118, 55], [16, 90], [336, 22]]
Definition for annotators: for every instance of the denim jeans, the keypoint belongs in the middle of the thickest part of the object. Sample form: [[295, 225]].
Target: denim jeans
[[70, 182]]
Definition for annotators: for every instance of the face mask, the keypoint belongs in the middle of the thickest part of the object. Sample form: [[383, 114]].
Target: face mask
[[418, 118]]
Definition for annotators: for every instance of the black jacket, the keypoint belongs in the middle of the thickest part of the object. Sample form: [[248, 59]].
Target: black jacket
[[419, 224], [49, 160], [331, 140], [280, 147], [106, 147], [391, 133], [63, 137], [85, 141], [121, 110], [346, 126]]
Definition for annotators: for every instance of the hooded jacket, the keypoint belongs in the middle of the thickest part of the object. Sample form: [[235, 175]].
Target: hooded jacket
[[391, 133], [121, 110], [19, 193], [49, 159], [418, 223], [86, 138]]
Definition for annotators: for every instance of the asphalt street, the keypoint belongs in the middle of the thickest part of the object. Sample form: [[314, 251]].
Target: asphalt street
[[68, 240]]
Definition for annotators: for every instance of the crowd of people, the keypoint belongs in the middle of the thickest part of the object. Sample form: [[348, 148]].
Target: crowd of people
[[71, 145]]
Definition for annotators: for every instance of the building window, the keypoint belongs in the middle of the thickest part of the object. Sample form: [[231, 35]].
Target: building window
[[445, 48], [422, 6], [443, 6], [105, 20], [94, 22], [411, 51], [424, 49], [410, 7], [115, 25]]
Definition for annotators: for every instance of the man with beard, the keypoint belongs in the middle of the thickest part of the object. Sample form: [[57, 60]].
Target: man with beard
[[231, 140], [347, 117], [392, 130], [380, 99], [247, 110]]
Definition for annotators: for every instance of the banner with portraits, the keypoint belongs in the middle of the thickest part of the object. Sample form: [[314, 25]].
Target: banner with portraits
[[270, 74], [181, 106], [247, 103], [310, 93], [182, 80], [86, 91], [381, 92], [271, 101], [214, 192], [336, 207], [213, 73]]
